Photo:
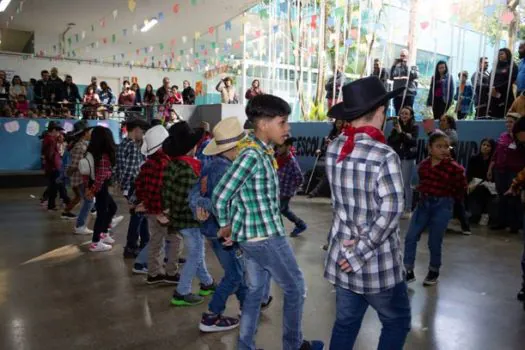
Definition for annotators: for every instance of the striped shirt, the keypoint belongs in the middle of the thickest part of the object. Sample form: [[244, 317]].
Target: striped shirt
[[247, 197], [367, 197]]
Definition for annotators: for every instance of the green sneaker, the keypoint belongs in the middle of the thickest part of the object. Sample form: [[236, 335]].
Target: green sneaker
[[186, 300], [207, 290]]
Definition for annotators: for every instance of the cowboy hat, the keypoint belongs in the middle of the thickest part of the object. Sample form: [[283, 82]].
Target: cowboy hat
[[80, 128], [134, 122], [226, 134], [182, 139], [54, 126], [361, 97], [153, 140]]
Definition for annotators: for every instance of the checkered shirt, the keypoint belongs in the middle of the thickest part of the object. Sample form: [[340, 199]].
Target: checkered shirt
[[367, 198], [77, 153], [129, 159], [149, 182], [446, 179], [247, 197], [290, 178]]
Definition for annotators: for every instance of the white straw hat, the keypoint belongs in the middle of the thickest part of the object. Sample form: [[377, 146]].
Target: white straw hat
[[226, 135], [153, 140]]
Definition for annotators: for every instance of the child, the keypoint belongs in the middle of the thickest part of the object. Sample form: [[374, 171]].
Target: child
[[180, 176], [246, 202], [22, 105], [441, 181], [290, 178], [464, 93]]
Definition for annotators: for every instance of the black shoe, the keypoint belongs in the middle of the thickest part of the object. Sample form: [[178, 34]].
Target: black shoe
[[68, 216], [325, 247], [410, 277], [265, 306], [155, 279], [521, 294], [172, 279], [129, 254], [498, 227], [431, 279], [207, 290], [312, 345], [182, 261]]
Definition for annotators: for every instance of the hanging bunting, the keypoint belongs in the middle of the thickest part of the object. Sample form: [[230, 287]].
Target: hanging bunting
[[197, 35], [507, 17], [237, 45], [424, 25], [348, 42], [258, 34], [135, 28], [283, 6], [105, 40], [263, 13], [161, 16], [211, 30], [213, 45], [184, 39], [83, 34], [161, 46], [124, 32], [490, 10], [176, 8], [103, 22], [194, 2], [228, 26], [330, 22], [114, 38], [173, 42], [137, 51], [275, 28], [339, 12], [132, 4], [115, 14], [76, 38]]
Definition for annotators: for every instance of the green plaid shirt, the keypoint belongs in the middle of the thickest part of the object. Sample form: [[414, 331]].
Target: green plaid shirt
[[177, 182], [247, 197]]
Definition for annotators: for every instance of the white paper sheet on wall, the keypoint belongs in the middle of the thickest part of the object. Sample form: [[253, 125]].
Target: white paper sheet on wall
[[32, 128], [68, 126], [12, 127]]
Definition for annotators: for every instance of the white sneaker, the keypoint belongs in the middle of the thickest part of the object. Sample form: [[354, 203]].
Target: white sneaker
[[106, 238], [99, 247], [83, 231], [466, 233], [116, 220]]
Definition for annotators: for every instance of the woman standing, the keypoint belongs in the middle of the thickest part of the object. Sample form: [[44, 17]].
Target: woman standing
[[149, 100], [90, 103], [17, 88], [188, 94], [502, 96], [102, 149], [138, 98], [403, 139], [253, 91], [441, 90]]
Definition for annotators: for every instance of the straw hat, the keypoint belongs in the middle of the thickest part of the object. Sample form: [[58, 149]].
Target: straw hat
[[153, 140], [226, 135]]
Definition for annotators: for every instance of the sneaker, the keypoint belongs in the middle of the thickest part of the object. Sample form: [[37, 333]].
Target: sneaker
[[93, 212], [186, 300], [182, 261], [265, 306], [139, 269], [155, 279], [217, 323], [99, 247], [324, 247], [172, 279], [116, 220], [207, 290], [521, 294], [68, 216], [431, 279], [466, 232], [52, 209], [312, 345], [410, 277], [298, 230], [106, 238], [83, 231]]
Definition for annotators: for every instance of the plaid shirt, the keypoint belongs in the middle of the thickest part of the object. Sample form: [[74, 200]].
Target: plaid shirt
[[247, 197], [77, 153], [179, 179], [367, 197], [290, 178], [103, 173], [445, 179], [129, 159], [149, 182]]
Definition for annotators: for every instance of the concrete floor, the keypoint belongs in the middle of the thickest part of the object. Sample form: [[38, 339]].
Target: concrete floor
[[56, 295]]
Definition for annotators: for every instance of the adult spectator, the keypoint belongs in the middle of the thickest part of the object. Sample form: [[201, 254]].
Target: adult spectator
[[91, 102], [126, 98], [149, 101], [31, 92], [380, 72], [481, 85], [43, 90], [138, 97], [71, 94], [56, 85], [188, 94], [17, 88], [441, 90], [4, 93], [94, 84], [227, 91], [107, 98], [404, 76], [175, 97], [518, 106], [164, 91], [520, 80], [340, 80], [502, 96], [254, 90], [464, 94]]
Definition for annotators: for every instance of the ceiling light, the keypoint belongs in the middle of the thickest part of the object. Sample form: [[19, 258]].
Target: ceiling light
[[4, 4], [149, 24]]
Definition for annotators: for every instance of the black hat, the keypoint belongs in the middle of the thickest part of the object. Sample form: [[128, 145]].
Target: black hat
[[79, 128], [134, 122], [181, 139], [360, 97], [54, 126]]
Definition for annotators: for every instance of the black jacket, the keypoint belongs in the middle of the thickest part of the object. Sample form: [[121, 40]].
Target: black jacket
[[42, 91], [188, 95], [399, 74], [162, 95], [56, 86], [405, 143], [477, 167], [73, 95]]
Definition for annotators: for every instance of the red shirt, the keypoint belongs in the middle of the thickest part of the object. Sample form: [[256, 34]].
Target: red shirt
[[103, 173], [149, 182], [445, 179], [50, 153]]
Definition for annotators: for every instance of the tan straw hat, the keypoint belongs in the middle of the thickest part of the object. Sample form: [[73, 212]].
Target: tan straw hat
[[226, 135]]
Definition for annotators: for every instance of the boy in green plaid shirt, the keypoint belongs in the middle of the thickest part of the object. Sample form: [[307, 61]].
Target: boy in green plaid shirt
[[247, 207]]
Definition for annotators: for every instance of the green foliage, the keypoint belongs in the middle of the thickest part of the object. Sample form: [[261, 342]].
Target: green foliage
[[317, 113]]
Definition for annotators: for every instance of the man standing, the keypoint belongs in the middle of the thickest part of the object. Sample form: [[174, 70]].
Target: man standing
[[71, 94], [163, 93], [404, 77], [481, 83], [340, 80], [188, 94], [380, 72], [520, 81], [364, 259], [56, 85], [43, 90]]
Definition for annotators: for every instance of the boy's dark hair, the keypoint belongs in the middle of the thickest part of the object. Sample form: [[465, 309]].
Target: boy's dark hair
[[156, 122], [175, 86], [44, 72], [451, 122], [436, 136], [519, 126], [266, 107], [136, 123], [126, 82]]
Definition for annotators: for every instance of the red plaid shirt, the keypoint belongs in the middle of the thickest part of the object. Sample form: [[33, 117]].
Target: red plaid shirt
[[149, 182], [445, 179], [103, 173]]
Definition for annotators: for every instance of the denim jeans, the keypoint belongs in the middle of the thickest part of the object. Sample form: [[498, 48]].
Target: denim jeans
[[407, 170], [273, 257], [288, 213], [233, 280], [55, 189], [392, 307], [195, 263], [433, 213], [138, 226], [84, 209], [106, 209], [143, 256]]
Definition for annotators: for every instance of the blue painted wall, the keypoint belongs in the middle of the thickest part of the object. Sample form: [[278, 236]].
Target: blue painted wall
[[21, 151]]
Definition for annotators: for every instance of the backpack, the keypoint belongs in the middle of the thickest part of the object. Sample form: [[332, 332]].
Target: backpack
[[86, 166]]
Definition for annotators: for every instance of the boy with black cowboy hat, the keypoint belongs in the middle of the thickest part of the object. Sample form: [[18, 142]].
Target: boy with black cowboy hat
[[181, 174], [364, 259]]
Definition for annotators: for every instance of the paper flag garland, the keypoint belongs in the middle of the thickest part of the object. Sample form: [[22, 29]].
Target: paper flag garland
[[113, 38], [161, 16], [339, 12], [32, 128], [68, 126], [197, 35], [507, 17], [161, 46], [228, 25], [489, 10], [424, 25], [115, 14], [184, 39], [132, 4], [263, 13], [176, 8], [194, 2], [12, 127], [348, 42], [330, 22], [283, 6], [211, 30]]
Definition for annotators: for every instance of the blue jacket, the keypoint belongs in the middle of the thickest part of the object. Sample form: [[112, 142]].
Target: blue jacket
[[466, 102], [520, 80], [214, 170]]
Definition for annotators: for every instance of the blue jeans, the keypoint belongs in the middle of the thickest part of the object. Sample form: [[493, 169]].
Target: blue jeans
[[272, 257], [142, 258], [392, 307], [233, 280], [407, 170], [289, 214], [138, 226], [195, 264], [84, 209], [433, 213]]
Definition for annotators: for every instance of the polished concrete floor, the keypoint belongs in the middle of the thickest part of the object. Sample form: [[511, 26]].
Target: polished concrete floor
[[56, 295]]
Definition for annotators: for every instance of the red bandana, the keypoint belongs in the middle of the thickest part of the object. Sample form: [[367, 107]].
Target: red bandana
[[350, 132], [283, 159], [194, 163]]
